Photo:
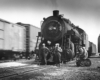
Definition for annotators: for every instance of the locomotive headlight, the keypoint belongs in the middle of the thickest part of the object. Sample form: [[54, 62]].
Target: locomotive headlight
[[54, 26]]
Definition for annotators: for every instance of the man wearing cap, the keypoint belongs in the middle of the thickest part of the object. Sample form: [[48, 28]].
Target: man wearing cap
[[57, 54], [83, 52], [83, 57], [44, 53]]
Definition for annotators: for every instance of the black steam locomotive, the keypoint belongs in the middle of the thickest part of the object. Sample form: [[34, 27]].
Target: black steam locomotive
[[58, 29]]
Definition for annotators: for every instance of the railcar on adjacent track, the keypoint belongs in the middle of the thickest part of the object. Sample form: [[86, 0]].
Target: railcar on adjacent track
[[16, 39]]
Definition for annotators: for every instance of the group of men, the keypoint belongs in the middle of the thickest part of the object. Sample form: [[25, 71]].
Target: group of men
[[52, 54], [55, 55]]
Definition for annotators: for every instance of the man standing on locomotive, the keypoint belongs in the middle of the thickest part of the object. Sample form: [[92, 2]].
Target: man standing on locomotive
[[57, 55]]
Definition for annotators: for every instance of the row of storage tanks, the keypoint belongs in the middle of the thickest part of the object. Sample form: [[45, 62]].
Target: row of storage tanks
[[13, 36]]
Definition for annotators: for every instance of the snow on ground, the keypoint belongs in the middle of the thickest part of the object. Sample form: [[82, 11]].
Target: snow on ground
[[15, 64], [11, 64], [58, 72]]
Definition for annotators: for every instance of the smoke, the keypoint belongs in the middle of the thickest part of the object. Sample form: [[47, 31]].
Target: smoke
[[54, 4]]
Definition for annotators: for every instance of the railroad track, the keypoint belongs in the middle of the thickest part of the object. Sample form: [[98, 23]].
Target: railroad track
[[11, 68], [4, 69], [17, 71], [21, 70]]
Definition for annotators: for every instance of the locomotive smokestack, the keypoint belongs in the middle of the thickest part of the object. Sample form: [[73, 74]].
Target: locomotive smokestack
[[56, 13]]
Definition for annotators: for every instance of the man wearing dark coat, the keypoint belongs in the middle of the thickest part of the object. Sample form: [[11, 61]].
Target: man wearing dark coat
[[44, 53], [82, 58], [57, 54]]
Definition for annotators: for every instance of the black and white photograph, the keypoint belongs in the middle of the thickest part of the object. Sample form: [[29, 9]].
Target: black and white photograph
[[49, 39]]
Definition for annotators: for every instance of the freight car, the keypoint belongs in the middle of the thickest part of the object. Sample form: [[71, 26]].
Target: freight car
[[58, 29], [11, 39], [31, 37], [14, 39]]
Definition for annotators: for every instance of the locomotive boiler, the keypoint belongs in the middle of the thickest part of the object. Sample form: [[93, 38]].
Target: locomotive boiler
[[55, 27], [58, 29]]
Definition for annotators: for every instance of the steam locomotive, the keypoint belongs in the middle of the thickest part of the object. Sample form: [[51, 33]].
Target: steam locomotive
[[58, 29]]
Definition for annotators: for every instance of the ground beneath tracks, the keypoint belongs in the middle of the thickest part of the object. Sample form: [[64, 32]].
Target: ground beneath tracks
[[67, 71]]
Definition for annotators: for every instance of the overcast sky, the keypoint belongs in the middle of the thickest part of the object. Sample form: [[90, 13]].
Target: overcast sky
[[85, 13]]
